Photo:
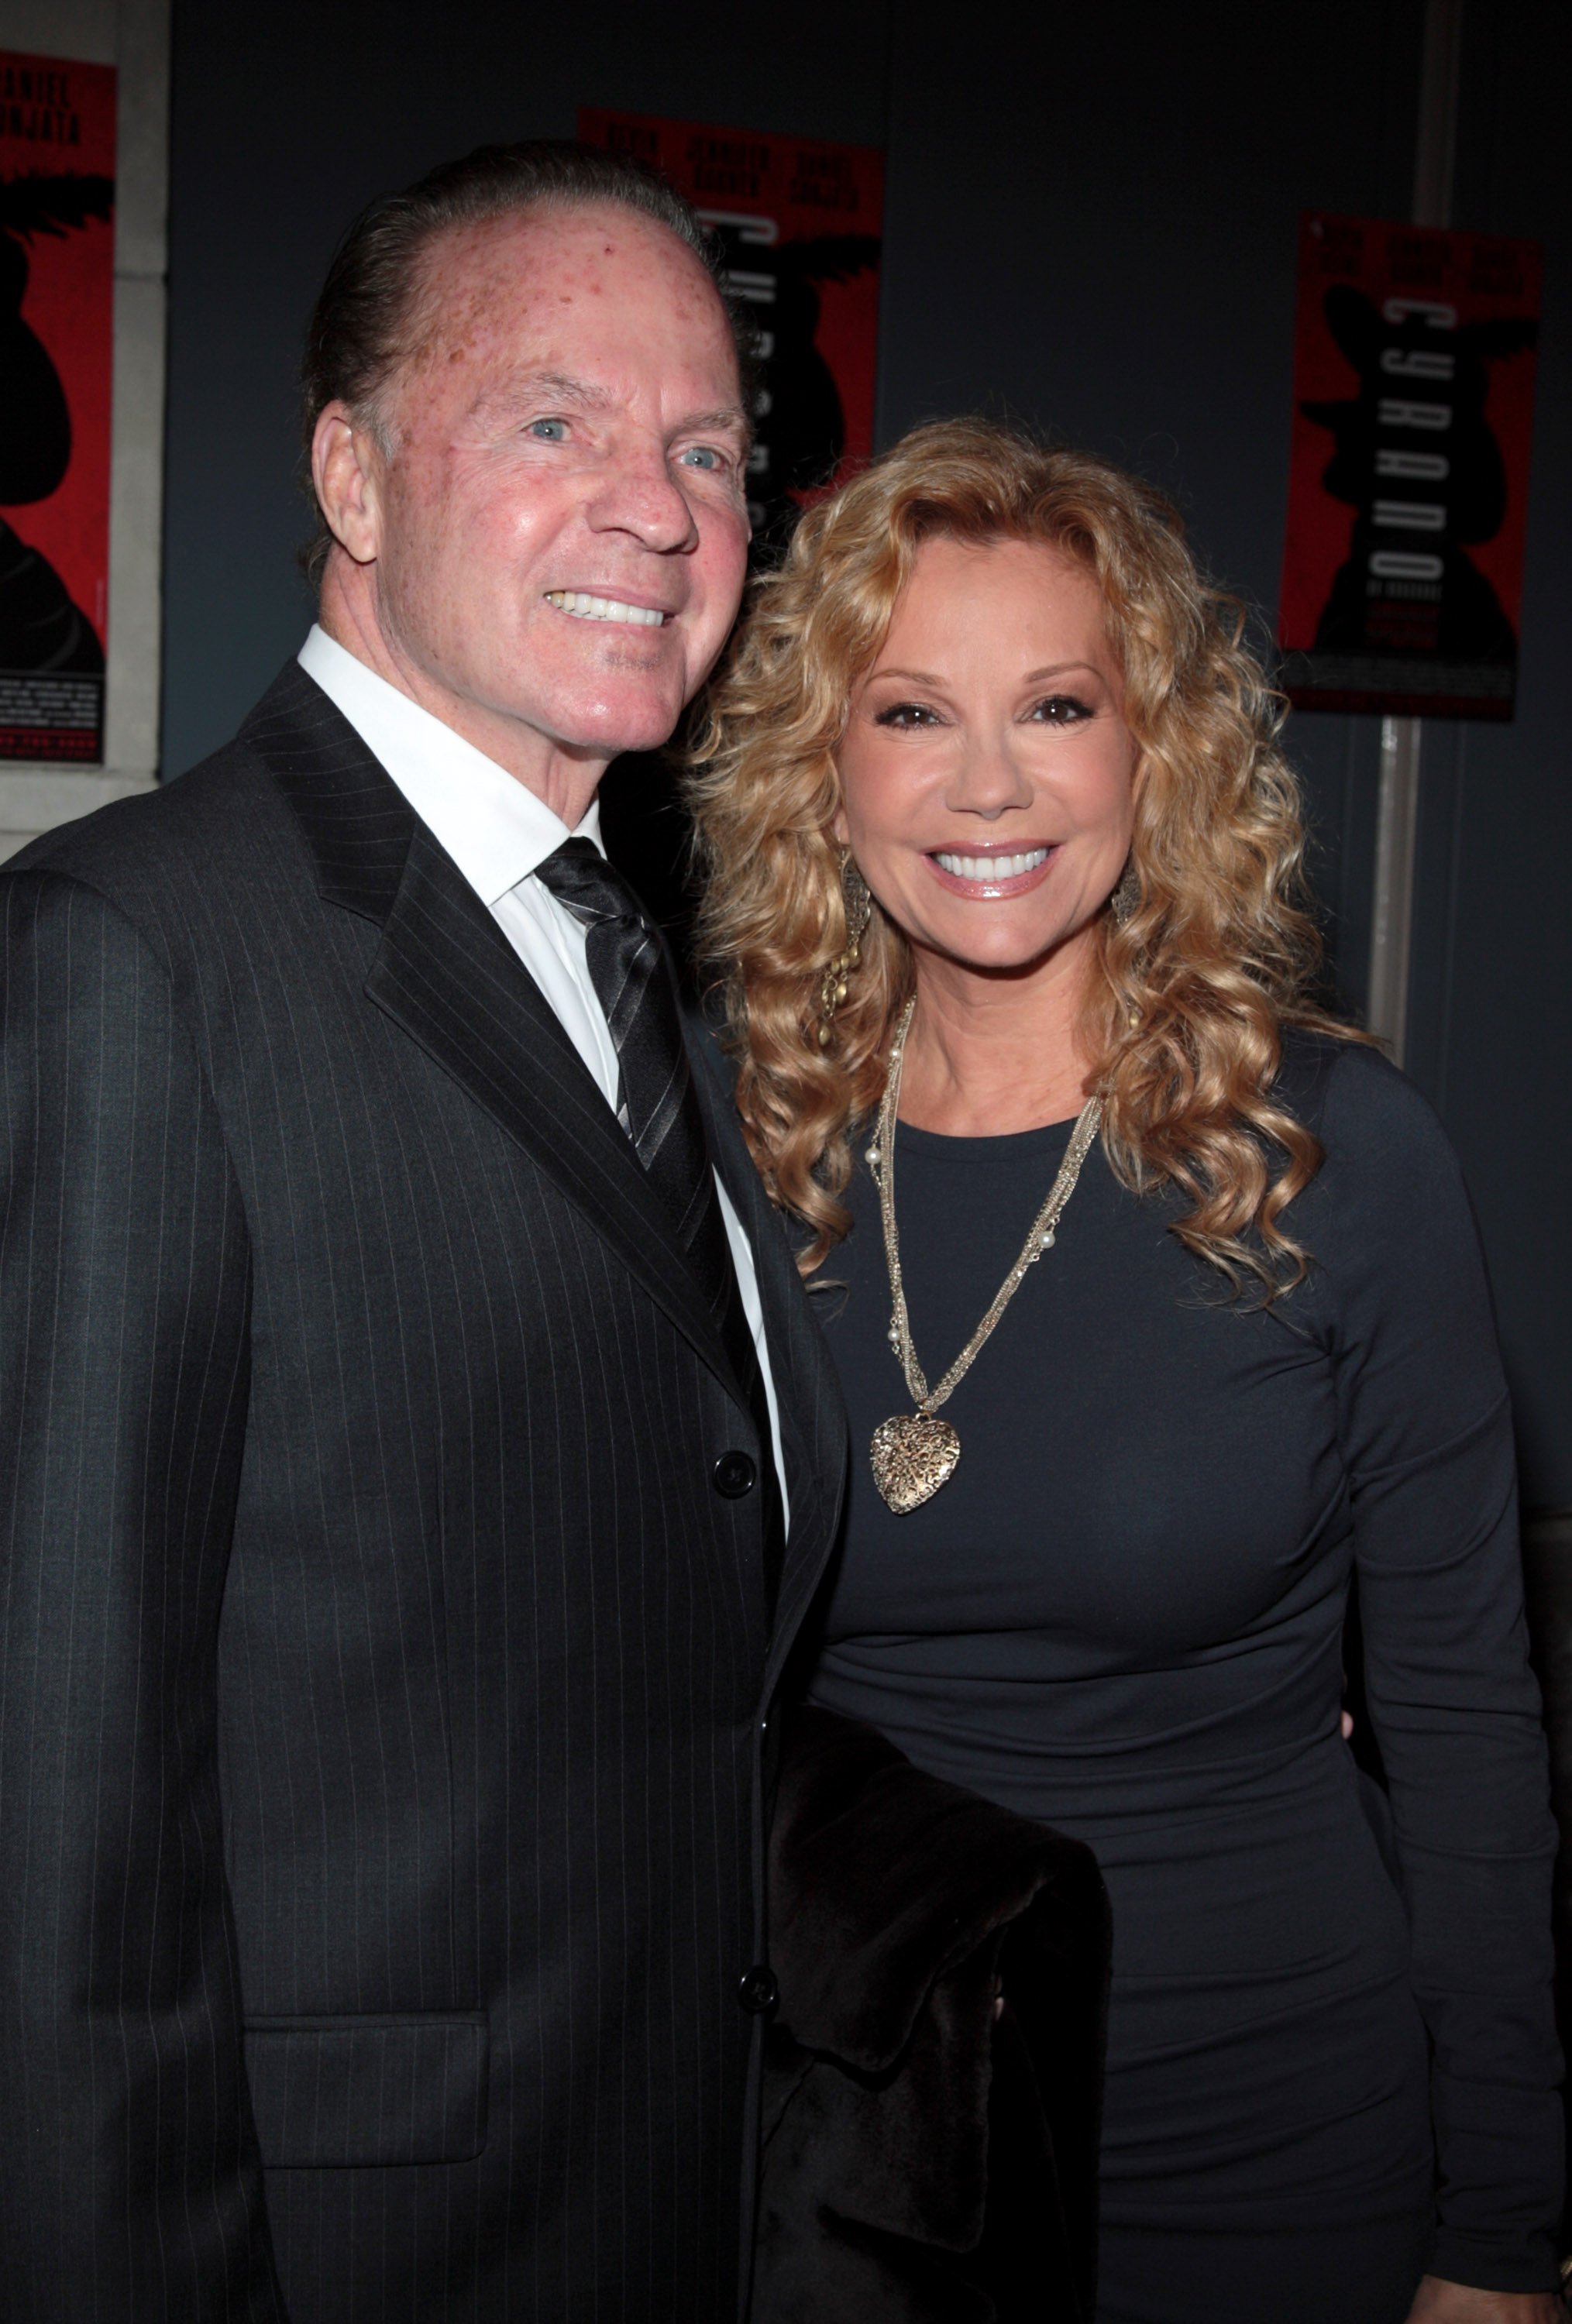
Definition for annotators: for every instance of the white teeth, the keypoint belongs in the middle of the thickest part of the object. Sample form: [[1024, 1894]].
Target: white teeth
[[992, 868], [604, 609]]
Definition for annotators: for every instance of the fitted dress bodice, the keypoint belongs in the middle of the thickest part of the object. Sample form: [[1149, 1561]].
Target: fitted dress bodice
[[1125, 1615]]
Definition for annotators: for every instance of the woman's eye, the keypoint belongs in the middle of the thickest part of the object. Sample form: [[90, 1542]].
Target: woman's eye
[[1062, 710], [905, 716], [704, 456], [550, 431]]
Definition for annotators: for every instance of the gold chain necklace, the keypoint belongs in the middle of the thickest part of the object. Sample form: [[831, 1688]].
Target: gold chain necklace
[[913, 1454]]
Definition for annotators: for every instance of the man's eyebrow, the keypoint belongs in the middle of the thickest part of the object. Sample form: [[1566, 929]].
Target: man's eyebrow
[[520, 386], [729, 415], [523, 387]]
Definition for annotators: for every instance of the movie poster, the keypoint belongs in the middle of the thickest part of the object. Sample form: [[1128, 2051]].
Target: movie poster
[[57, 347], [1407, 496], [800, 222]]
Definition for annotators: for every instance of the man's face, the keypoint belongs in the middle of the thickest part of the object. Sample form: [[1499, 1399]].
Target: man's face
[[560, 527]]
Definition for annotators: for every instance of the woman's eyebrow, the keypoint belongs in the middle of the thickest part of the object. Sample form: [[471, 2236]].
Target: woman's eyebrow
[[1033, 677]]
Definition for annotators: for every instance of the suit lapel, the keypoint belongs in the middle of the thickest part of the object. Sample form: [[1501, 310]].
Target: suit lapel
[[445, 973]]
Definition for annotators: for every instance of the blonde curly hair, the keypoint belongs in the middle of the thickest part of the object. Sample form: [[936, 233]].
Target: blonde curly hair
[[1186, 1010]]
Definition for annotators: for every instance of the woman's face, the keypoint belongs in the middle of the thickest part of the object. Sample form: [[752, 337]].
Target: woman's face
[[986, 767]]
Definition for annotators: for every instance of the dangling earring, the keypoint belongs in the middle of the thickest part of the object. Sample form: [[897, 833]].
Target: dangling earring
[[1125, 896], [859, 911]]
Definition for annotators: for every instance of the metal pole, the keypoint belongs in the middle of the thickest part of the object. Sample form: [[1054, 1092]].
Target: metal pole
[[1401, 739], [1392, 922], [1435, 149]]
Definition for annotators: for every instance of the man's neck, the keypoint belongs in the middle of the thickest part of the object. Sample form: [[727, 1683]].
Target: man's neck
[[565, 781]]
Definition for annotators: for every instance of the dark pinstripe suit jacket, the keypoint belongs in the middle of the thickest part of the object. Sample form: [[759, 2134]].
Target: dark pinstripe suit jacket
[[383, 1673]]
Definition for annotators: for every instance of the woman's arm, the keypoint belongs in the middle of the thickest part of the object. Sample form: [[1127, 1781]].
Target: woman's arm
[[1438, 2302], [1427, 1438]]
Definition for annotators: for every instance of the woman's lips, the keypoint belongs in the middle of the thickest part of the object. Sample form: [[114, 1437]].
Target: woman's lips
[[1009, 873]]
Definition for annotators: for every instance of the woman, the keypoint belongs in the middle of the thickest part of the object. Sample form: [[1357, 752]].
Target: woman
[[1062, 1112]]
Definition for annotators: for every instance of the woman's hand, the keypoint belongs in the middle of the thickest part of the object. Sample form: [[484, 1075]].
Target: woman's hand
[[1436, 2301]]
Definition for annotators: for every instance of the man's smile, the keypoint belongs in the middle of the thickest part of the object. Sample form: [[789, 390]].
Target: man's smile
[[586, 608]]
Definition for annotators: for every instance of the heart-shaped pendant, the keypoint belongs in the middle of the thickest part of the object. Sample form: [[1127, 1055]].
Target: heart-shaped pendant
[[913, 1454]]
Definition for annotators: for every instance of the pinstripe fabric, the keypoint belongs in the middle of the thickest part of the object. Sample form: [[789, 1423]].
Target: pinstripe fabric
[[381, 1673]]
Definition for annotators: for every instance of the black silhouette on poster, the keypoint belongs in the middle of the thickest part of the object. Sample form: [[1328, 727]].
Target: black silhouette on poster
[[41, 628], [801, 432], [1422, 467]]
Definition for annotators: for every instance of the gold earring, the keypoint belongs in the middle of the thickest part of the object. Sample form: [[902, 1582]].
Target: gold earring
[[1126, 896], [859, 911]]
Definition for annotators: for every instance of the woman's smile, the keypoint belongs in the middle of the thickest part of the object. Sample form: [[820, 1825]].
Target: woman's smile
[[990, 874]]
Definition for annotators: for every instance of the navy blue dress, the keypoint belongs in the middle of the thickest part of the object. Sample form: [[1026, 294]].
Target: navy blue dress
[[1332, 2062]]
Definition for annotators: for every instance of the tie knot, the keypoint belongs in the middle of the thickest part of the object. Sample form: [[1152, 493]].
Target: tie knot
[[578, 875]]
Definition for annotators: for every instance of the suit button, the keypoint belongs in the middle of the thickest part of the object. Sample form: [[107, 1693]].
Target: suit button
[[734, 1475], [757, 1991]]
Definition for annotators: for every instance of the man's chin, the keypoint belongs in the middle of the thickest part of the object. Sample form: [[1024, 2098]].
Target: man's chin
[[608, 730]]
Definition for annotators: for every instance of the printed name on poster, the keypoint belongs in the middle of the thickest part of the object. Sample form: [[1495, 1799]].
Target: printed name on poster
[[1413, 406]]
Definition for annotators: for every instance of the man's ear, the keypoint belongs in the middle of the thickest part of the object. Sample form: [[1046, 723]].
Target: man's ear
[[346, 472]]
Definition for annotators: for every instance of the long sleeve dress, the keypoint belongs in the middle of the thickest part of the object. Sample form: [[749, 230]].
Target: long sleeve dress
[[1332, 2061]]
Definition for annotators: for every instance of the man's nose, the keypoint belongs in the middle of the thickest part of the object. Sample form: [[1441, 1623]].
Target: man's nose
[[987, 778], [639, 493]]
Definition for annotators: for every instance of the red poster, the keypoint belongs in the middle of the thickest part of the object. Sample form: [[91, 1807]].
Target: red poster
[[56, 346], [800, 222], [1408, 494]]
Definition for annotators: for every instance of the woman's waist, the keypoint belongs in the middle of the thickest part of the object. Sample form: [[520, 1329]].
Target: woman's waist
[[1124, 1747], [1240, 1854]]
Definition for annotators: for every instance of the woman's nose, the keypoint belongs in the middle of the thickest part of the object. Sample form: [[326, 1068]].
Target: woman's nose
[[989, 779]]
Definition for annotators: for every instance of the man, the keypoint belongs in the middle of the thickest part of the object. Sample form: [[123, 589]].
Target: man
[[417, 1459]]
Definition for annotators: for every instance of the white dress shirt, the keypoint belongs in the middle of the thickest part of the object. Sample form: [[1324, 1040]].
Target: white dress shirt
[[499, 834]]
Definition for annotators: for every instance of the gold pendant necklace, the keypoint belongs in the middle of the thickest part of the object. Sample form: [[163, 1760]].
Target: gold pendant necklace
[[913, 1454]]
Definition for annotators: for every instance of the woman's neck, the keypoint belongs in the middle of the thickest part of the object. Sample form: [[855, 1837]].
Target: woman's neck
[[988, 1056]]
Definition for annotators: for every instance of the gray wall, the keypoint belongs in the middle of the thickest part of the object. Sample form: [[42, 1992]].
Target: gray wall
[[1091, 223]]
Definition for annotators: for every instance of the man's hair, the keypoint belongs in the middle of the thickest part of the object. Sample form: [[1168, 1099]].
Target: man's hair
[[363, 324]]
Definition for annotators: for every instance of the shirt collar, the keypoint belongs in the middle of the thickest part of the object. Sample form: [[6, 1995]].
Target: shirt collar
[[496, 830]]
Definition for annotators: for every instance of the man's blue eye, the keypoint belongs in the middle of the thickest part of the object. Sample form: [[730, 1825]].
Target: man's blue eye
[[550, 431], [702, 455]]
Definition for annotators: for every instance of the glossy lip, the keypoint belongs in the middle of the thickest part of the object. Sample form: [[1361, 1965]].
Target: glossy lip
[[991, 889]]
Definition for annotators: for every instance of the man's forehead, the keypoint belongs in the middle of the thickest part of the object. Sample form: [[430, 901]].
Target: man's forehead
[[526, 291], [543, 251]]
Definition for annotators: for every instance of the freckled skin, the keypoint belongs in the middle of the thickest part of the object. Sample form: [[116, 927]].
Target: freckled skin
[[500, 487]]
